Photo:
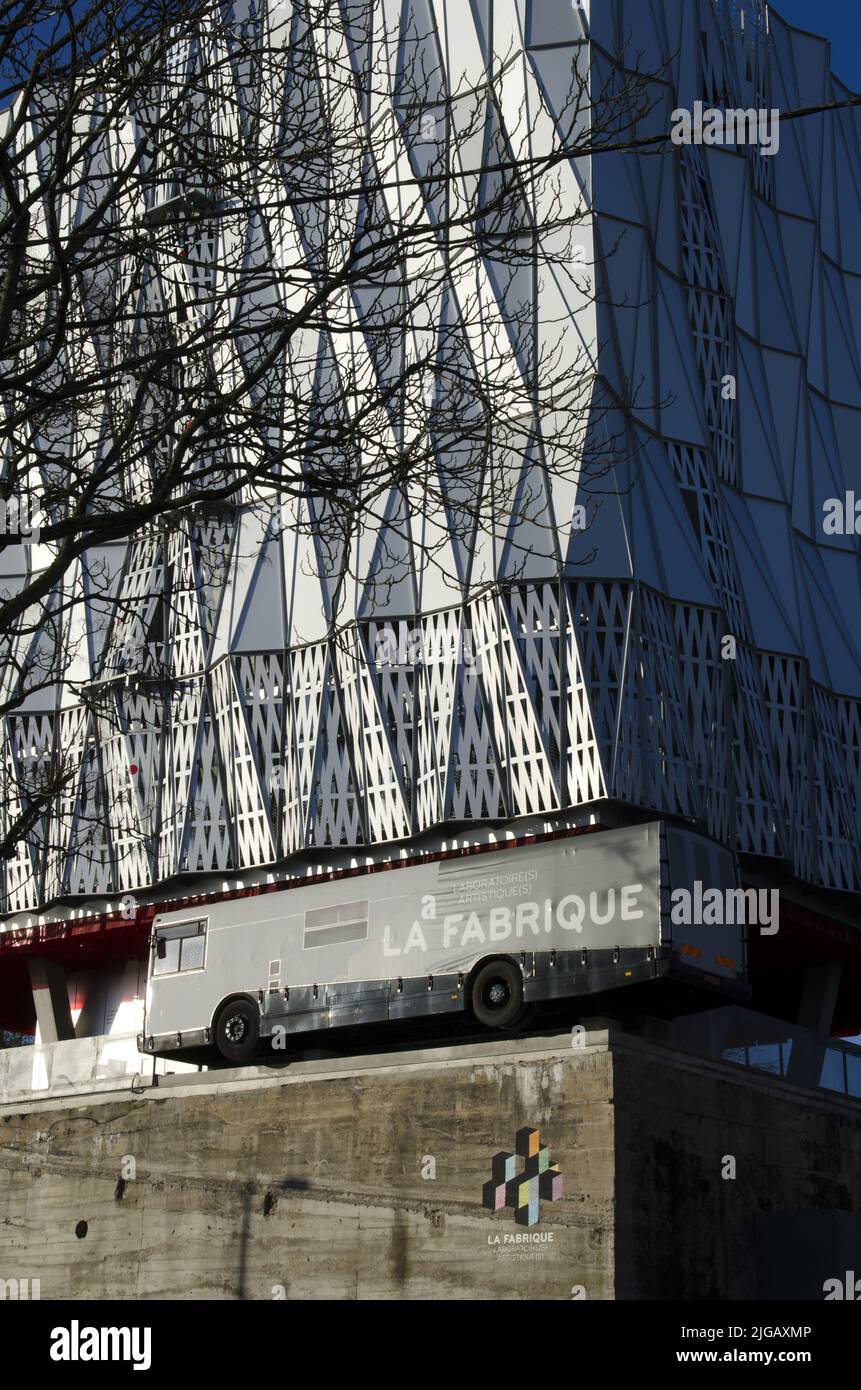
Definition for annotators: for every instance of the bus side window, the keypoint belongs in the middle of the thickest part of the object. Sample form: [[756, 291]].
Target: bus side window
[[167, 963], [191, 956], [180, 948]]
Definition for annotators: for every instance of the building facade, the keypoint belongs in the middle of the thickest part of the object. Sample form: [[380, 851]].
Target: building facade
[[695, 653]]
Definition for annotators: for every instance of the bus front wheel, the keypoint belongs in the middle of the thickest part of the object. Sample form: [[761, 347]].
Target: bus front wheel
[[497, 994], [237, 1030]]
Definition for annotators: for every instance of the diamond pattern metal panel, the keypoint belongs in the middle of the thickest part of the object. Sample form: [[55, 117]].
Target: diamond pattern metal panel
[[232, 732]]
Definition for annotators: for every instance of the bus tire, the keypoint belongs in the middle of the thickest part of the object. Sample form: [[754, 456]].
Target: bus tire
[[496, 996], [237, 1030]]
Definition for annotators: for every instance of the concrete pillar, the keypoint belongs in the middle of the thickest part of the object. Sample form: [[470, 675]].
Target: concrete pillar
[[107, 993], [51, 999], [819, 996], [91, 1020], [816, 1011]]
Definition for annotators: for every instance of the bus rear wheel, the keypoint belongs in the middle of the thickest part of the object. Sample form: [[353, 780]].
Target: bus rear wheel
[[497, 994], [237, 1030]]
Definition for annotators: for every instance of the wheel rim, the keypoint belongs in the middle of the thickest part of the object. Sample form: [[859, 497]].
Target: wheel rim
[[497, 993], [235, 1029]]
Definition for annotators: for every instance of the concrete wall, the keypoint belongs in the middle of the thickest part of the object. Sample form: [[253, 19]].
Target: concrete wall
[[313, 1183], [78, 1067], [796, 1156], [309, 1178]]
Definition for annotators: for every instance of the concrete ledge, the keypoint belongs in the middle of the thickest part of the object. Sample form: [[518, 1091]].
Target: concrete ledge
[[476, 1051], [95, 1066], [78, 1066]]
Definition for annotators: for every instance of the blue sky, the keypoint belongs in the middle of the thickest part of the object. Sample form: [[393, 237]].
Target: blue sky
[[837, 20]]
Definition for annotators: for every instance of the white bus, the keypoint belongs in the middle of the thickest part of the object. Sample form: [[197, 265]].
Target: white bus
[[487, 930]]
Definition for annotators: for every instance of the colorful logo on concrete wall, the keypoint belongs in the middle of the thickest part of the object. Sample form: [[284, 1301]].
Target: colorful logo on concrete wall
[[540, 1180]]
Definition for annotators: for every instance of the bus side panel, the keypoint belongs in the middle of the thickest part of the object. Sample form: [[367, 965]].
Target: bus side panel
[[599, 891], [593, 892], [239, 952], [696, 866], [179, 1003]]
